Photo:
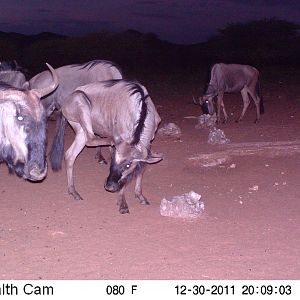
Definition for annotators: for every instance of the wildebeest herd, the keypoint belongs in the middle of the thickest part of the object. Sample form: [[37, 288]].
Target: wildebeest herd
[[104, 110]]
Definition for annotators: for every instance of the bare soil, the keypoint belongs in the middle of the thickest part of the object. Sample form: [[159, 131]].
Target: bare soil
[[250, 228]]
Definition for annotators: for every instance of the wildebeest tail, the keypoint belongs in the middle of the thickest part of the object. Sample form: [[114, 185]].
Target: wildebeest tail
[[261, 103], [57, 149]]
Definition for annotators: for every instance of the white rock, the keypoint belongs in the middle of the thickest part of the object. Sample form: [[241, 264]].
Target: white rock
[[254, 188], [187, 205], [170, 129], [206, 120], [217, 136]]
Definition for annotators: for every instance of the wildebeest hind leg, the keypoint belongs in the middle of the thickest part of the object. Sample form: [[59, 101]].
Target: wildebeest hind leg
[[256, 100], [246, 102], [70, 157], [138, 190], [91, 139], [86, 123]]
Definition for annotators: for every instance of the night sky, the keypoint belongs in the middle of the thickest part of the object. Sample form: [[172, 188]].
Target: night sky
[[178, 21]]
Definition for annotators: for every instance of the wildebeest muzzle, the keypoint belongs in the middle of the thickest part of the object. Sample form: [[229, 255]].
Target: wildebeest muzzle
[[35, 173], [111, 186], [113, 182]]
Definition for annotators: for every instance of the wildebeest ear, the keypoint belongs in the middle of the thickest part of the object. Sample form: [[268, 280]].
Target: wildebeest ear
[[152, 158], [149, 160], [154, 154]]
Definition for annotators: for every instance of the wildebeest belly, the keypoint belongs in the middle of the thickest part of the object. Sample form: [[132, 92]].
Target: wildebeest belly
[[107, 125], [234, 82]]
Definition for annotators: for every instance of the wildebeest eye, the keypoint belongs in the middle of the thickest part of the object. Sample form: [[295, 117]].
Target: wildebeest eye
[[128, 166], [20, 118]]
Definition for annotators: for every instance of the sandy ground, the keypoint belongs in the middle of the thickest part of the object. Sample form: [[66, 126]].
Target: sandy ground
[[250, 228]]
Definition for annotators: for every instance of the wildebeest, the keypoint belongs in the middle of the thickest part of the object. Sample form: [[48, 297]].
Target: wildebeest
[[10, 73], [23, 129], [232, 78], [70, 77], [122, 112]]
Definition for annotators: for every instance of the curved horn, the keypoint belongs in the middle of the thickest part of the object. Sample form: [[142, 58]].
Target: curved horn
[[45, 91]]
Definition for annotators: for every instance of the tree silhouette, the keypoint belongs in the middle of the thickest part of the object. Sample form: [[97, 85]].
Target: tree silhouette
[[267, 41]]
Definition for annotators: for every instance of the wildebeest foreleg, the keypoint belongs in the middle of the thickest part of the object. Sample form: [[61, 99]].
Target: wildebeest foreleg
[[123, 207], [246, 102], [99, 157], [220, 104], [138, 189], [70, 157]]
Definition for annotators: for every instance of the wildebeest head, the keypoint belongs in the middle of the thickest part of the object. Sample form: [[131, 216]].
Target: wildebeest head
[[23, 130], [206, 103], [127, 162]]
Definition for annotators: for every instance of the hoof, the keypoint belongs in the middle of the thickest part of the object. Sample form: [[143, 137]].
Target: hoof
[[75, 195], [143, 200], [124, 210], [100, 159], [102, 162]]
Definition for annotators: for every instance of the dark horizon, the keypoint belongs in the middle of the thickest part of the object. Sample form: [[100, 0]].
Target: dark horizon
[[179, 22]]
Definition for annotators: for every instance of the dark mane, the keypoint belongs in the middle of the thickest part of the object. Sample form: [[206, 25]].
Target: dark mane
[[112, 82], [135, 88], [5, 86], [207, 77], [9, 66], [93, 63]]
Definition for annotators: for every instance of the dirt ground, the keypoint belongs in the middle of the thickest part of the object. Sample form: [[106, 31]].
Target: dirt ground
[[250, 228]]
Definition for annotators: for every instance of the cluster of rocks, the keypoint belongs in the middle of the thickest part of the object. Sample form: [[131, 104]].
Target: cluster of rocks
[[215, 136]]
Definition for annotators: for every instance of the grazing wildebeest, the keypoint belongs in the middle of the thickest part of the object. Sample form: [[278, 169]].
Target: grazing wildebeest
[[23, 129], [10, 73], [70, 77], [232, 78], [123, 113]]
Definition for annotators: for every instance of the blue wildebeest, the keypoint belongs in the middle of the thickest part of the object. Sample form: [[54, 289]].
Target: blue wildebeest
[[70, 77], [23, 129], [123, 113], [232, 78], [10, 73]]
